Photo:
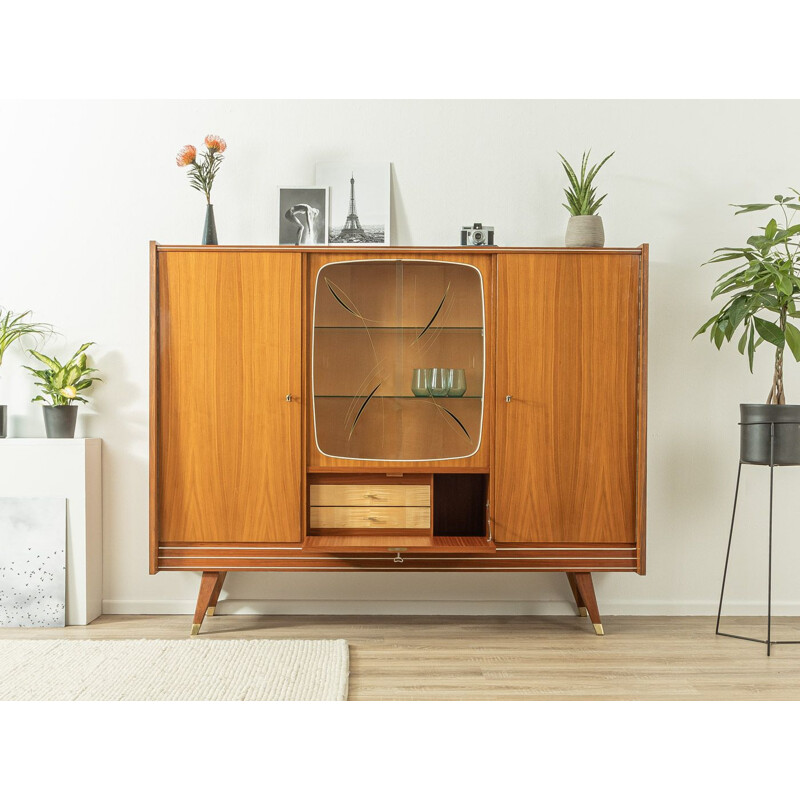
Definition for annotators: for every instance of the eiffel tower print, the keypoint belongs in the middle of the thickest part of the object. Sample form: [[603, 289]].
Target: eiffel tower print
[[352, 230], [369, 221]]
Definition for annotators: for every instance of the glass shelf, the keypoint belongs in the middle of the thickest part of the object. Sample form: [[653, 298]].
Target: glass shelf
[[401, 397], [362, 328]]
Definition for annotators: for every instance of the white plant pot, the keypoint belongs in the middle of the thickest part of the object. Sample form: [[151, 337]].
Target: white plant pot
[[585, 231]]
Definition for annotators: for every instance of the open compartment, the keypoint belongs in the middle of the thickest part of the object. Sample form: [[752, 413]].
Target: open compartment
[[459, 505]]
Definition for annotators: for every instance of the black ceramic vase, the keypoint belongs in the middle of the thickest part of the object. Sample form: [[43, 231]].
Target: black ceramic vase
[[210, 228], [59, 421], [757, 422], [3, 422]]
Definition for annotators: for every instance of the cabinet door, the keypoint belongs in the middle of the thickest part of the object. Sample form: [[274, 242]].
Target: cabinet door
[[567, 355], [381, 327], [228, 353]]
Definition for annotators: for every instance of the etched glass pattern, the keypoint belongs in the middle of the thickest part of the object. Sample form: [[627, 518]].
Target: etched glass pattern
[[387, 335]]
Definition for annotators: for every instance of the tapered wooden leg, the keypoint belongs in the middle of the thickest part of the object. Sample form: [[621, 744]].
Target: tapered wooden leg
[[583, 581], [577, 595], [208, 584], [212, 603]]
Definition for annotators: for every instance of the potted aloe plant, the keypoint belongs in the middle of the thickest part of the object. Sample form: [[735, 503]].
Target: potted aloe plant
[[761, 294], [12, 328], [62, 384], [585, 227]]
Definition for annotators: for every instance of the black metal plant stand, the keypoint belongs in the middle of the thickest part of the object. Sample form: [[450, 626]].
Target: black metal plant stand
[[768, 641]]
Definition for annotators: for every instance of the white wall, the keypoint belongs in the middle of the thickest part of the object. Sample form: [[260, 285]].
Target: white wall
[[85, 186]]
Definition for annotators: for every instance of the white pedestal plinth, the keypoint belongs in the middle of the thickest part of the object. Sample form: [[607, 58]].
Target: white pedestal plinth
[[68, 468]]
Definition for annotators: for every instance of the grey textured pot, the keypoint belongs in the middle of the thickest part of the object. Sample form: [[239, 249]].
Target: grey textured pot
[[59, 421], [3, 422], [210, 227], [585, 231], [755, 434]]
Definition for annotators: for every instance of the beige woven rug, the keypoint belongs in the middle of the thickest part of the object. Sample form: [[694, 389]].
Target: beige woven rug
[[190, 669]]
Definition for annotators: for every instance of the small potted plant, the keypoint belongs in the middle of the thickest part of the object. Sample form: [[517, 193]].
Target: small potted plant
[[202, 174], [62, 384], [12, 328], [761, 294], [585, 227]]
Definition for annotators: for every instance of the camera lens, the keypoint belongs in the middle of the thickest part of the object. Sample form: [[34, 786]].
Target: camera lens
[[478, 236]]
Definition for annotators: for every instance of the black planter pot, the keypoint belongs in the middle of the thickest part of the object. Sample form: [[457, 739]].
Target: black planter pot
[[210, 228], [757, 421], [59, 421], [3, 422]]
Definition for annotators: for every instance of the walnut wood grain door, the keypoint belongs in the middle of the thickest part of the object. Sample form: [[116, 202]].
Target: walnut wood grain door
[[228, 354], [566, 440]]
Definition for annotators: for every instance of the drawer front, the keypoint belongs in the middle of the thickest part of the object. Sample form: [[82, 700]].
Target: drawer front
[[373, 518], [353, 494]]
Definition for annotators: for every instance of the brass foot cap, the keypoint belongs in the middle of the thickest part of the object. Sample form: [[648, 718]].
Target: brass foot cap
[[195, 629], [598, 629], [582, 612], [210, 611]]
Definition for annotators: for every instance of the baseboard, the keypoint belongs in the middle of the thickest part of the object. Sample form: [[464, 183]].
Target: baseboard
[[449, 607]]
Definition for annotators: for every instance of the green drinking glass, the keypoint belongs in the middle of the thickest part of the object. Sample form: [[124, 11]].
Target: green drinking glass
[[457, 384], [419, 385], [438, 380]]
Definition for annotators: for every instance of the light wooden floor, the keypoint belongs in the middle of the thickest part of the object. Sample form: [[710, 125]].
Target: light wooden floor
[[512, 658]]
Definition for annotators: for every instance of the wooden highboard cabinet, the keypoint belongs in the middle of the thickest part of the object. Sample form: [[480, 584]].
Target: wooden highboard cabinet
[[398, 409]]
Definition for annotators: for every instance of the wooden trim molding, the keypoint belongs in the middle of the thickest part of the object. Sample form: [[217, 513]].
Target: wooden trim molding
[[377, 252], [514, 558], [154, 432], [641, 401]]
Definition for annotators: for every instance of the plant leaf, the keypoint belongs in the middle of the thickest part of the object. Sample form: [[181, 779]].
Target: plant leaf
[[46, 360], [748, 207], [736, 313], [769, 332], [704, 327], [743, 341], [771, 229], [718, 332], [793, 340]]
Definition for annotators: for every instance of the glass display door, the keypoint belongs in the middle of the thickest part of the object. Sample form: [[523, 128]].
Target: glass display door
[[398, 360]]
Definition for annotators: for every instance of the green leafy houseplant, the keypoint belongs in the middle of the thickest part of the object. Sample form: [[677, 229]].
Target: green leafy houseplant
[[14, 326], [761, 291], [581, 193], [63, 383]]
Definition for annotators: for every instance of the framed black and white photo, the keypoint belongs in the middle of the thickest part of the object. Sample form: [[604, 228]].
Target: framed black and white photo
[[303, 215], [360, 201]]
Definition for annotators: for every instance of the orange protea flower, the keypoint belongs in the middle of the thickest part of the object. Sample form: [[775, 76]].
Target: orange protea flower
[[186, 155], [216, 144]]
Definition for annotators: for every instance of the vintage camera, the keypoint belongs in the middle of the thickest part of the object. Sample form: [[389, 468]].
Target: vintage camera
[[477, 234]]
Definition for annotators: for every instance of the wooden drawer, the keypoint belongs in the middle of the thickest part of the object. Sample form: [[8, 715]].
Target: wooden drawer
[[371, 518], [353, 494]]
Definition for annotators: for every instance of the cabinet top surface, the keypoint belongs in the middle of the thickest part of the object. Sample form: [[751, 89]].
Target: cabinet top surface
[[393, 249], [42, 441]]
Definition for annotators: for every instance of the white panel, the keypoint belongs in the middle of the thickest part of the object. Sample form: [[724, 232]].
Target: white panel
[[32, 562], [68, 468]]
